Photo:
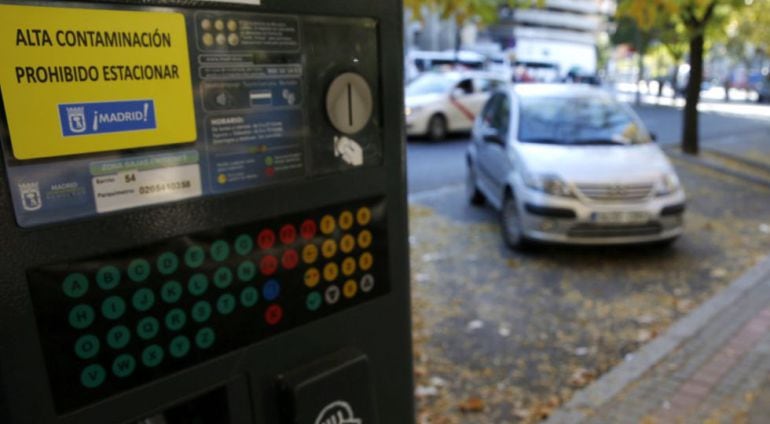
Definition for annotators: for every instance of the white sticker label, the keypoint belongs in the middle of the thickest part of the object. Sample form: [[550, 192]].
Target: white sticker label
[[140, 188]]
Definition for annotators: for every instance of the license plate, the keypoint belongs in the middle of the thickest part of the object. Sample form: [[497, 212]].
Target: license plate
[[620, 218]]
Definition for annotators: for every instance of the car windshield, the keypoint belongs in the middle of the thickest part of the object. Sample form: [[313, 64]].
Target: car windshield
[[577, 121], [429, 84]]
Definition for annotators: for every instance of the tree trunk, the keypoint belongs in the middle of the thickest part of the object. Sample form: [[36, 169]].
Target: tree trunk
[[640, 65], [675, 80], [692, 96]]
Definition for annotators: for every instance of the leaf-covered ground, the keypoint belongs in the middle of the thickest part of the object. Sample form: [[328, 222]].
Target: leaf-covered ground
[[506, 337]]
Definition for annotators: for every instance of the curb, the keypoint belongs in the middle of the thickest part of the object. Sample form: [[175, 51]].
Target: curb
[[625, 373], [716, 167]]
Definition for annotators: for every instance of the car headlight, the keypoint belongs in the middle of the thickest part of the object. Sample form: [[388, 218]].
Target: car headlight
[[411, 110], [667, 184], [549, 184]]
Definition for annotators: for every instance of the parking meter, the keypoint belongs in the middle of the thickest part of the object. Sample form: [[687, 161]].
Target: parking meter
[[203, 214]]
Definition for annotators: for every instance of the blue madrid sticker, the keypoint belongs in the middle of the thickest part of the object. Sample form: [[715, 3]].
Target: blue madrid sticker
[[106, 117]]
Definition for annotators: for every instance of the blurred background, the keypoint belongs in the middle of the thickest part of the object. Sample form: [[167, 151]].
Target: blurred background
[[584, 176]]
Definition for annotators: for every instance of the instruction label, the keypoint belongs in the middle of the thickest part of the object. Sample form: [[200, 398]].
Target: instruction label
[[71, 79]]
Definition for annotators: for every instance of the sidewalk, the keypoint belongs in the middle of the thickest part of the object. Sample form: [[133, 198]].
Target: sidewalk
[[711, 366]]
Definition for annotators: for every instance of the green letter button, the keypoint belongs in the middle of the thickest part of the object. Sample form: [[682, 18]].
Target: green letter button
[[118, 337], [223, 277], [87, 346], [124, 365], [93, 376], [147, 328], [175, 319], [201, 311], [75, 285], [138, 270], [113, 307], [246, 271], [179, 346], [171, 292], [167, 263], [249, 297], [143, 299], [226, 304], [81, 316], [152, 356], [198, 284], [244, 244], [205, 338], [220, 250], [313, 301], [108, 277], [194, 256]]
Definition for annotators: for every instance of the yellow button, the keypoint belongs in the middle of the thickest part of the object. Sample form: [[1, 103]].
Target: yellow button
[[363, 216], [365, 261], [346, 220], [309, 253], [348, 266], [331, 271], [365, 239], [327, 224], [329, 248], [347, 244], [312, 277], [349, 289]]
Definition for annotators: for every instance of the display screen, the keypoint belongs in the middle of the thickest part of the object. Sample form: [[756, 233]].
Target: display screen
[[131, 107]]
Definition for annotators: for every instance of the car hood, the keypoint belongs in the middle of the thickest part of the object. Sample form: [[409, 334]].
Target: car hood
[[422, 100], [596, 164]]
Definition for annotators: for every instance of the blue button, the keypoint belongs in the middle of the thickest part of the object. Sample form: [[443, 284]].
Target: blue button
[[271, 290]]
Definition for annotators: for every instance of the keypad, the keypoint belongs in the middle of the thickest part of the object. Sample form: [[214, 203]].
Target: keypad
[[111, 323]]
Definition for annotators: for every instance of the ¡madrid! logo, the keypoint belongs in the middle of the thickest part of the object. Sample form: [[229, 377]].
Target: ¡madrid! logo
[[337, 412], [76, 118], [30, 196]]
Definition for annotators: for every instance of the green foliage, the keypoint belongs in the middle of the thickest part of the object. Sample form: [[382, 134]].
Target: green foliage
[[464, 10]]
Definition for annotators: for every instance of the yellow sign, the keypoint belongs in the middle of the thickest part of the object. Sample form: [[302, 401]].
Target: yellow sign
[[85, 80]]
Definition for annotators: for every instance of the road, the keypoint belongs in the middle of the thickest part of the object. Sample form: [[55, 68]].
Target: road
[[509, 335], [432, 165]]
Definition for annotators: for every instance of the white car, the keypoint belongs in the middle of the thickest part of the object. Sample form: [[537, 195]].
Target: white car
[[438, 103], [569, 164]]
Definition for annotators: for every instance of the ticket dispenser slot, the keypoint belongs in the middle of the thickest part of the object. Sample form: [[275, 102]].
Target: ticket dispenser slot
[[204, 211]]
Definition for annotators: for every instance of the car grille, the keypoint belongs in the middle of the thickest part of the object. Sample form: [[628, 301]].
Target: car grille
[[598, 231], [615, 192]]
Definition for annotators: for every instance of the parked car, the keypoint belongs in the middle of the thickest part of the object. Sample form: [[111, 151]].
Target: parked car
[[569, 164], [438, 103], [763, 91]]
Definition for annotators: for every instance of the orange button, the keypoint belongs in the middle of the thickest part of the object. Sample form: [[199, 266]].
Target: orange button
[[366, 261], [329, 248], [350, 288], [312, 277], [348, 266], [309, 253], [331, 271], [364, 216], [346, 220], [365, 239], [328, 224], [347, 244]]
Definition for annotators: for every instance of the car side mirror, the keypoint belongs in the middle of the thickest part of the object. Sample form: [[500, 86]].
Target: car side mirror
[[492, 135], [654, 137]]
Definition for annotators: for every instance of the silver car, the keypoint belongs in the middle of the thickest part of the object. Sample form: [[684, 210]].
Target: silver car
[[569, 164]]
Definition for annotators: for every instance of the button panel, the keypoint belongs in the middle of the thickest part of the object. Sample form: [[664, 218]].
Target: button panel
[[112, 323]]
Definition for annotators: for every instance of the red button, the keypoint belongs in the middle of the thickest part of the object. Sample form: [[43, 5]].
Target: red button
[[288, 234], [273, 314], [308, 229], [268, 265], [290, 259], [266, 239], [270, 171]]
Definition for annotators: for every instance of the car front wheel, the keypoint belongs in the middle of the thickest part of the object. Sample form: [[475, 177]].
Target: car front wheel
[[510, 221], [437, 128]]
